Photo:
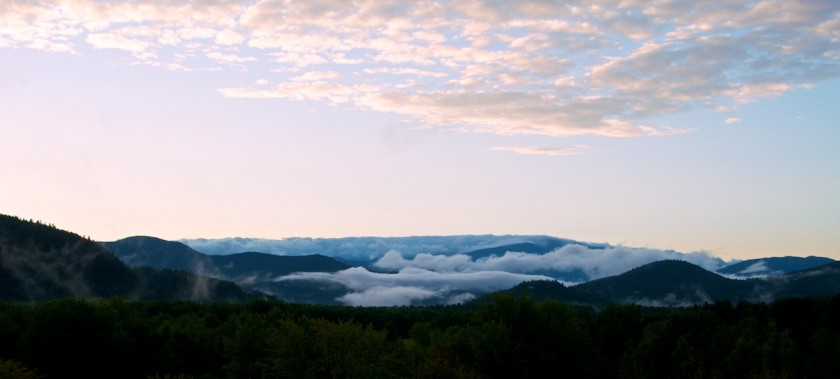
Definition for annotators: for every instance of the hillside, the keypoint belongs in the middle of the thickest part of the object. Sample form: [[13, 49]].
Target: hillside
[[252, 270], [668, 283], [819, 281], [40, 262], [143, 251], [678, 283], [772, 266]]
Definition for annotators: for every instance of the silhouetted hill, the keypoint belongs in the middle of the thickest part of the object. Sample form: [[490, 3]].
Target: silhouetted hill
[[554, 290], [143, 251], [253, 270], [773, 266], [819, 281], [268, 265], [668, 283], [662, 283], [678, 283], [157, 253], [40, 262]]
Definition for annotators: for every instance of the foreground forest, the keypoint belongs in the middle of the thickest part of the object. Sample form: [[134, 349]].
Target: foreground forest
[[504, 336]]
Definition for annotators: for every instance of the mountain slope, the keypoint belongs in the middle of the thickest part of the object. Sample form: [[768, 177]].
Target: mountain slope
[[678, 283], [669, 283], [257, 271], [157, 253], [661, 283], [815, 282], [270, 266], [143, 251], [773, 266], [40, 262]]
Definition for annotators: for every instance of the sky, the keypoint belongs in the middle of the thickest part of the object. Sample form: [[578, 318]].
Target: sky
[[687, 125]]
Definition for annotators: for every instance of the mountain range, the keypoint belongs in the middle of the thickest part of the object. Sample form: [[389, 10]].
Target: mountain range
[[762, 267], [39, 262], [253, 270], [679, 283]]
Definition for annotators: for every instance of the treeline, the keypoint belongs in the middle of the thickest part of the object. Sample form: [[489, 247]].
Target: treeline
[[503, 337]]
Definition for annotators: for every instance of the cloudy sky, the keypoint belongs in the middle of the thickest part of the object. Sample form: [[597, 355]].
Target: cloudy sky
[[687, 125]]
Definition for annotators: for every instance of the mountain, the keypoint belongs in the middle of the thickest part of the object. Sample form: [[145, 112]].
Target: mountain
[[250, 269], [40, 262], [532, 245], [669, 283], [366, 250], [772, 266], [679, 283], [663, 283], [814, 282], [142, 251]]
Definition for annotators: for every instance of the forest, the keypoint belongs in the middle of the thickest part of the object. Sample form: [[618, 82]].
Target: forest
[[502, 336]]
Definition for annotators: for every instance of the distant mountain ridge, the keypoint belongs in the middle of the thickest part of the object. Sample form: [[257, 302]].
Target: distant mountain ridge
[[250, 269], [368, 249], [669, 283], [772, 266], [679, 283], [40, 262], [543, 245], [143, 251]]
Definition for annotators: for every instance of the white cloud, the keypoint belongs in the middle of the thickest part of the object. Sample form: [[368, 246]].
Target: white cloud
[[229, 37], [435, 262], [229, 58], [527, 67], [360, 248], [732, 120], [316, 76], [117, 41], [759, 266], [594, 263], [387, 296], [410, 284]]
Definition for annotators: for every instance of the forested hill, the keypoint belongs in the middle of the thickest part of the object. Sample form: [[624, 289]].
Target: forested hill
[[669, 283], [255, 271], [40, 262], [773, 266], [142, 251], [678, 283], [664, 283]]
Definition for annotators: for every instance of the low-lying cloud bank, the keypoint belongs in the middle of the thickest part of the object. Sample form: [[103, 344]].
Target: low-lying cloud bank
[[451, 269], [364, 248], [563, 263], [414, 284]]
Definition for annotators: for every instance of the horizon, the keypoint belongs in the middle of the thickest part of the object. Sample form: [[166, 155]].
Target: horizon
[[681, 126]]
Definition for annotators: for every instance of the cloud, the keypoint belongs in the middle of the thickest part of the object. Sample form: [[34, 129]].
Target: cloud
[[413, 284], [760, 266], [361, 248], [527, 67], [732, 120], [568, 261], [393, 260], [229, 37], [550, 151], [229, 58], [387, 296]]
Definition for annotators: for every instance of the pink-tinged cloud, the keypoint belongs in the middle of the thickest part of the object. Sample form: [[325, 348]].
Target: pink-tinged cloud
[[526, 67]]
